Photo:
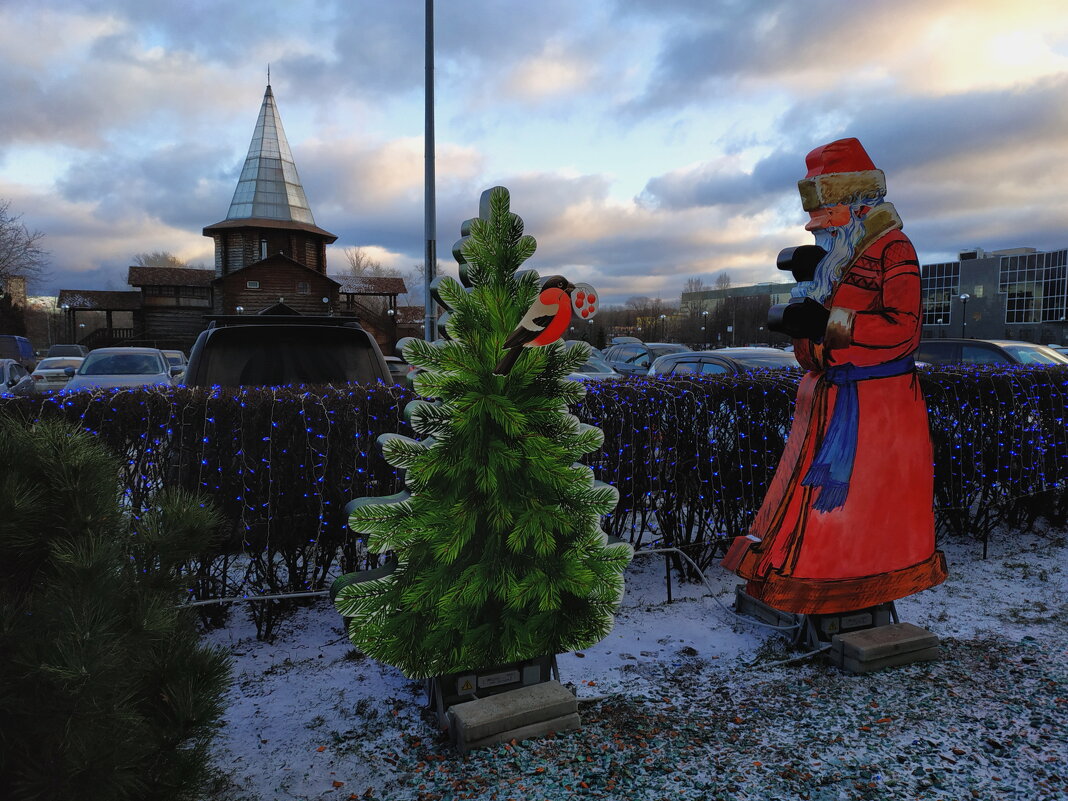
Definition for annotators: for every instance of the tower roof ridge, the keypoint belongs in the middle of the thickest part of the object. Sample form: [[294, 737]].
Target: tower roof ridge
[[269, 187]]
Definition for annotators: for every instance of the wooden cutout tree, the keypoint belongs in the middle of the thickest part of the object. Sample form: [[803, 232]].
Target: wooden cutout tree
[[497, 550]]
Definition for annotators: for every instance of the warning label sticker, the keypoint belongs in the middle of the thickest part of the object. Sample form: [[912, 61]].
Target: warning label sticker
[[497, 679]]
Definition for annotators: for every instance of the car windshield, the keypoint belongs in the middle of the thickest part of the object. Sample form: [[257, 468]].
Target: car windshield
[[249, 356], [58, 363], [174, 358], [1035, 354], [121, 364], [595, 365]]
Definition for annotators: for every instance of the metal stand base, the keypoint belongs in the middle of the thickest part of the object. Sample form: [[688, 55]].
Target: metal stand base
[[813, 631], [455, 688], [817, 631]]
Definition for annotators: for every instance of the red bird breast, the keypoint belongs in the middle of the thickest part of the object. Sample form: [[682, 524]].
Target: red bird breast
[[561, 319]]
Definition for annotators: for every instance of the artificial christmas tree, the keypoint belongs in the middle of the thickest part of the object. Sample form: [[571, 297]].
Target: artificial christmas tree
[[497, 551]]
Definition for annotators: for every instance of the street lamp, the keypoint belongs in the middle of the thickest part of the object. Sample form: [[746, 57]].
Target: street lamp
[[964, 313], [704, 327], [663, 325]]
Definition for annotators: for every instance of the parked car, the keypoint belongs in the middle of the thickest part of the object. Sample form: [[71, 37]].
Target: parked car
[[631, 356], [276, 349], [121, 367], [50, 375], [594, 369], [398, 368], [724, 360], [19, 349], [14, 378], [67, 350], [595, 351], [176, 359], [986, 351], [1061, 349]]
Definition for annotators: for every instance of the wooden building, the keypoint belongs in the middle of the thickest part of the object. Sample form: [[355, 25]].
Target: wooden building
[[268, 250]]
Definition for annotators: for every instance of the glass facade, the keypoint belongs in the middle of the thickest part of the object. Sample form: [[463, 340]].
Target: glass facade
[[940, 286], [1035, 286]]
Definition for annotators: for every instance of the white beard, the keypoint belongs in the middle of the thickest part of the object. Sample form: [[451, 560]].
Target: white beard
[[840, 244]]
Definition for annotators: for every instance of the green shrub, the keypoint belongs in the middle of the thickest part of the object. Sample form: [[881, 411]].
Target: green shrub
[[105, 691]]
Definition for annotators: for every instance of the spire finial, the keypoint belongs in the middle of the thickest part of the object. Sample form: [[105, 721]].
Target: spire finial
[[268, 73]]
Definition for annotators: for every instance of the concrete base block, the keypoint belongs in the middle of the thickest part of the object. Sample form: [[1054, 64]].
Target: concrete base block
[[907, 658], [884, 646], [539, 729], [524, 712]]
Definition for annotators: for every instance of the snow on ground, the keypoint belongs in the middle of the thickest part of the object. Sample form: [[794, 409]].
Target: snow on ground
[[682, 700]]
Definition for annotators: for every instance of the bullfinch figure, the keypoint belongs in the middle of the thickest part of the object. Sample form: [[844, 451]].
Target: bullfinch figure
[[545, 321]]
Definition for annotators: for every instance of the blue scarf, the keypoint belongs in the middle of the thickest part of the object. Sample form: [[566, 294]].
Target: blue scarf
[[833, 466]]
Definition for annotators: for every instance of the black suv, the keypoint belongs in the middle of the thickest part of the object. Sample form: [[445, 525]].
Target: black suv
[[276, 349], [985, 351]]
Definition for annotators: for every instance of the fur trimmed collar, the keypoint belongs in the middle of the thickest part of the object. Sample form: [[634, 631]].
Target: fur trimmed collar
[[880, 221]]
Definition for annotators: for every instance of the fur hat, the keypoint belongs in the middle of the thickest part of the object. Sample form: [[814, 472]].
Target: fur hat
[[839, 172]]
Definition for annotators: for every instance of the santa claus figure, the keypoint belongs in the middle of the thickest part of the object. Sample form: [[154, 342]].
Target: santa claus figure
[[848, 520]]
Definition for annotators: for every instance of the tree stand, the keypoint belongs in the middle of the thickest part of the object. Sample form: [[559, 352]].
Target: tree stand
[[469, 685]]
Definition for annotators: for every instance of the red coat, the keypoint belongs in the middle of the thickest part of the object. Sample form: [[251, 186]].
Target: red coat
[[879, 545]]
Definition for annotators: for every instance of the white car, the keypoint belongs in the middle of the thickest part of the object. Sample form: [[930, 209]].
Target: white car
[[50, 375], [122, 367]]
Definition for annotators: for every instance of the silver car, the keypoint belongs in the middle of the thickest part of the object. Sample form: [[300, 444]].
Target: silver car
[[122, 367], [14, 378], [50, 374]]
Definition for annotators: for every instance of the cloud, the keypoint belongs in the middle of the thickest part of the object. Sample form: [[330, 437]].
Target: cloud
[[947, 159], [550, 74], [181, 185], [712, 48]]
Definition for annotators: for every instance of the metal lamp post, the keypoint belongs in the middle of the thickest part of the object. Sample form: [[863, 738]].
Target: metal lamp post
[[663, 326], [964, 313], [706, 337]]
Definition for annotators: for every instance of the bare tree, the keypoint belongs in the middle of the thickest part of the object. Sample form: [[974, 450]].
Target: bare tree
[[694, 284], [21, 253], [723, 280], [161, 258], [362, 264], [413, 283]]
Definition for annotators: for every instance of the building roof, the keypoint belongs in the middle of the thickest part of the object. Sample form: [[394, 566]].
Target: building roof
[[169, 276], [371, 285], [259, 222], [101, 300], [272, 261], [269, 187]]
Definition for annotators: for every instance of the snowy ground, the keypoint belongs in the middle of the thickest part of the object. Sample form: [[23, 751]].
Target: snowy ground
[[680, 706]]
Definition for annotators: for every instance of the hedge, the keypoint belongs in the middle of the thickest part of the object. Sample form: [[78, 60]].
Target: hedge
[[691, 459]]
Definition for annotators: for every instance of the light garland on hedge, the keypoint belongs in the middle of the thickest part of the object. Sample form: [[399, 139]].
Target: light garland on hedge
[[1000, 436]]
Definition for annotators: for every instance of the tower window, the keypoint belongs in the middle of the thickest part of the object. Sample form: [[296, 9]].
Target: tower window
[[303, 288], [263, 248]]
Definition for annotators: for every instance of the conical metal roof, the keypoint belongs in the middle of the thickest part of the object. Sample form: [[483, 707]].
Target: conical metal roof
[[269, 187]]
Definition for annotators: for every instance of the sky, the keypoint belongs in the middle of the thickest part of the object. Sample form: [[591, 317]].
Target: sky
[[644, 142]]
